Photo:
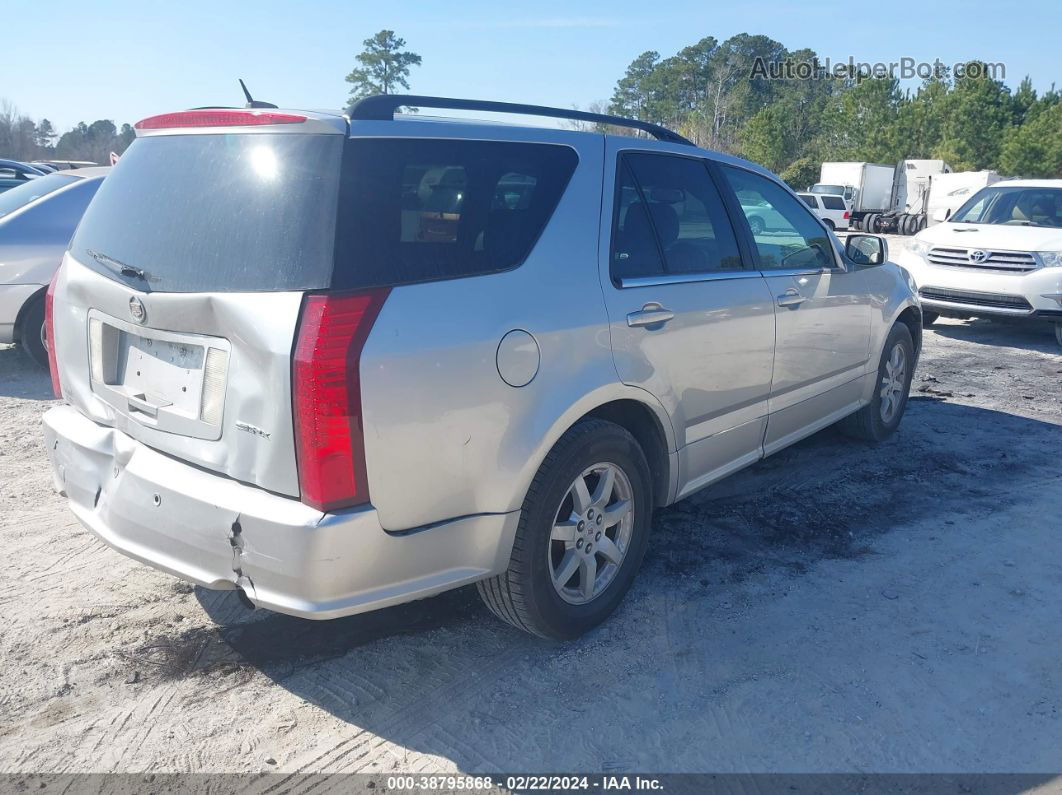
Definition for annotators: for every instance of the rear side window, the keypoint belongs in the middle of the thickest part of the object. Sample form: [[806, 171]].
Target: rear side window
[[833, 203], [413, 210], [809, 200], [209, 213]]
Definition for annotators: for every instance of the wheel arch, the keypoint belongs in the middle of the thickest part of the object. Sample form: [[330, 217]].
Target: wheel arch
[[629, 407], [20, 318]]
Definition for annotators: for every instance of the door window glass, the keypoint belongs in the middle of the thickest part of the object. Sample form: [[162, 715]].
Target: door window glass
[[679, 201], [787, 236]]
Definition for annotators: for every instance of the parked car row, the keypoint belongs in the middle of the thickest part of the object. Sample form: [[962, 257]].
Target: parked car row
[[37, 219], [339, 362]]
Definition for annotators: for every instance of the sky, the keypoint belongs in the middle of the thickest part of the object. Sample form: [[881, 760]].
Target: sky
[[127, 60]]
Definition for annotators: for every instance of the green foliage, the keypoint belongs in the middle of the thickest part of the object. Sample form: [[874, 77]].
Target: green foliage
[[802, 173], [23, 139], [717, 95], [1035, 148], [384, 66]]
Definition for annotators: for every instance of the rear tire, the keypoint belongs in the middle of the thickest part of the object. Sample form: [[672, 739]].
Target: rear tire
[[757, 225], [871, 223], [929, 318], [32, 333], [880, 418], [830, 225], [1058, 333], [545, 589]]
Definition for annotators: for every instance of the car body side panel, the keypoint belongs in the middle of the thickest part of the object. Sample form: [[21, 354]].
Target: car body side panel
[[445, 436]]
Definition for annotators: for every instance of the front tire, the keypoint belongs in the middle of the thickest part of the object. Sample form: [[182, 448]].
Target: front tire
[[583, 529], [757, 225], [32, 335], [880, 418]]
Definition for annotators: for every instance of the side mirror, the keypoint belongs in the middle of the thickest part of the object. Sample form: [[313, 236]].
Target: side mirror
[[866, 250], [941, 214]]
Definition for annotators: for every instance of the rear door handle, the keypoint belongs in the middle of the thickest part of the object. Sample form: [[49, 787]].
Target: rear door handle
[[791, 297], [651, 314]]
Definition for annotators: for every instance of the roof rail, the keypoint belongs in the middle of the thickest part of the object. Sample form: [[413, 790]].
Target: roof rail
[[383, 107]]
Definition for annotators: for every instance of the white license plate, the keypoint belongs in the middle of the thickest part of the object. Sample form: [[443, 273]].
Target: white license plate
[[161, 373]]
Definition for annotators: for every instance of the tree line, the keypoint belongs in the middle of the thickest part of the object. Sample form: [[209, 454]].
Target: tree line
[[719, 95], [22, 138]]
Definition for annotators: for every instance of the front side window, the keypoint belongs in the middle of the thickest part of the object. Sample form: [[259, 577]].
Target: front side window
[[787, 236], [670, 218], [413, 210]]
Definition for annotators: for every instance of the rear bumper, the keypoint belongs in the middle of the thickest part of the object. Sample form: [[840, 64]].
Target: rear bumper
[[284, 555]]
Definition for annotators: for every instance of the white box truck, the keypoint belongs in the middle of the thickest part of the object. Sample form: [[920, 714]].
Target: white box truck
[[883, 198], [866, 187]]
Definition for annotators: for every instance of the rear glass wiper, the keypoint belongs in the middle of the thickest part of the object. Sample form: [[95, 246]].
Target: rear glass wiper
[[121, 267]]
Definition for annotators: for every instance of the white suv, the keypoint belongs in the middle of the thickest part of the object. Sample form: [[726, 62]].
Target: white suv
[[342, 362], [832, 209], [999, 255]]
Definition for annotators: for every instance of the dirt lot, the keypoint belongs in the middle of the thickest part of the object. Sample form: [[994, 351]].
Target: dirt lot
[[837, 607]]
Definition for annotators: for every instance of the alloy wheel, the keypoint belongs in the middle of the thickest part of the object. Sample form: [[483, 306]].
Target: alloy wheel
[[591, 533], [893, 383]]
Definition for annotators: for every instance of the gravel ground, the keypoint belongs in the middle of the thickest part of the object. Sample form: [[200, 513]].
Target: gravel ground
[[837, 607]]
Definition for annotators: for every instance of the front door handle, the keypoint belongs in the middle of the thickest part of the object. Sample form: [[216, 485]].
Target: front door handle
[[791, 297], [652, 314]]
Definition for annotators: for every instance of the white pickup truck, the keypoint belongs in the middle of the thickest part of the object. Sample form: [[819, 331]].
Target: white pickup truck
[[999, 255]]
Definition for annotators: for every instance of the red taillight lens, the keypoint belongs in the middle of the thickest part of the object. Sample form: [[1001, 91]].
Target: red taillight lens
[[846, 215], [49, 334], [326, 389], [216, 118]]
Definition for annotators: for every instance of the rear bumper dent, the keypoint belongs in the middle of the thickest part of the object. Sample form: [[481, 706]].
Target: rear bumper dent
[[222, 534]]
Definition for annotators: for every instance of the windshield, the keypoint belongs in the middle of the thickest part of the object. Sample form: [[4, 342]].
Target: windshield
[[837, 189], [1013, 206], [208, 213], [18, 197]]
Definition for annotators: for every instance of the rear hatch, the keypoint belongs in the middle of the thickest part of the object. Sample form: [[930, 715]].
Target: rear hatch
[[182, 288]]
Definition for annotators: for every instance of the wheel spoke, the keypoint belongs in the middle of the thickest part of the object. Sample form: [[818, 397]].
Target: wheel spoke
[[569, 563], [589, 575], [615, 512], [564, 531], [603, 493], [607, 547], [580, 495]]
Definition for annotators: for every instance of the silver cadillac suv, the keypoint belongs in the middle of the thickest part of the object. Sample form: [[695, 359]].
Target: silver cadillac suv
[[339, 362]]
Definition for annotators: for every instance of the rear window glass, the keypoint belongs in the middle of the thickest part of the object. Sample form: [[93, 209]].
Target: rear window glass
[[833, 203], [18, 197], [208, 213], [415, 210]]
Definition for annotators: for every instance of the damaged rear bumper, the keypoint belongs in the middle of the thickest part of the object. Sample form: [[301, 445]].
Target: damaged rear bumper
[[284, 555]]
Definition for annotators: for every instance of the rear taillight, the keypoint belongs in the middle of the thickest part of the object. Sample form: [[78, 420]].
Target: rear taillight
[[49, 334], [216, 118], [847, 215], [326, 390]]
